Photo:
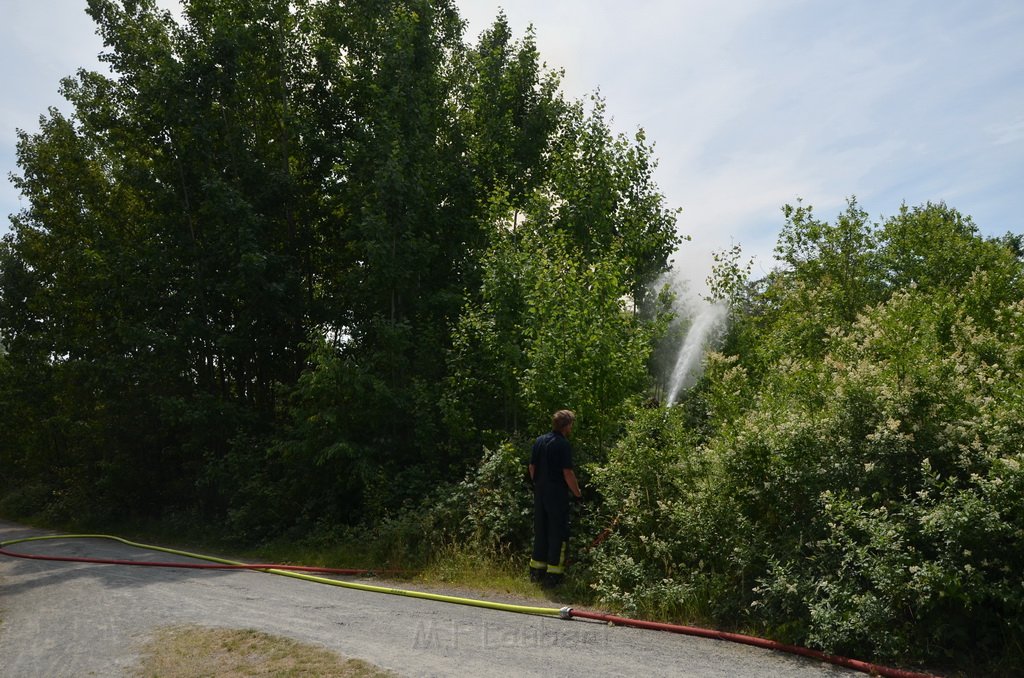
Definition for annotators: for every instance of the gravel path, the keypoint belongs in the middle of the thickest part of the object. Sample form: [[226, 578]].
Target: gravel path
[[71, 619]]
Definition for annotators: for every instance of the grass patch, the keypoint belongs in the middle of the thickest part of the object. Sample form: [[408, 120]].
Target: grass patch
[[345, 550], [463, 567], [188, 651], [454, 565]]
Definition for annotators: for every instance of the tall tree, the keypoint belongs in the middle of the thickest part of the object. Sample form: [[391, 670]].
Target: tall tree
[[603, 195], [162, 236], [549, 324], [247, 247], [511, 109]]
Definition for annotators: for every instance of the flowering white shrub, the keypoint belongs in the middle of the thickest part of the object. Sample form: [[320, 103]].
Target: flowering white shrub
[[861, 491]]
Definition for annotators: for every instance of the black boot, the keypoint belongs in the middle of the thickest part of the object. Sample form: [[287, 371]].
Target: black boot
[[536, 576], [552, 581]]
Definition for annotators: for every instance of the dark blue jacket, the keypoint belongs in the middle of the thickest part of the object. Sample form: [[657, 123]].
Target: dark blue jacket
[[551, 454]]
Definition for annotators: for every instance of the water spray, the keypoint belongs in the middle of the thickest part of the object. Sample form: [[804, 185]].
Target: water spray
[[707, 326]]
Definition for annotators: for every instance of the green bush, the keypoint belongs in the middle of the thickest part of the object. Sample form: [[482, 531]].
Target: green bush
[[670, 551], [26, 501], [864, 502], [492, 507]]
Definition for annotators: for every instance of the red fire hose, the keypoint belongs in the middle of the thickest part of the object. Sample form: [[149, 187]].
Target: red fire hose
[[564, 613], [866, 667]]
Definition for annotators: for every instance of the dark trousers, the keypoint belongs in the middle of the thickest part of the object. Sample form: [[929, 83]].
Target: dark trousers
[[550, 530]]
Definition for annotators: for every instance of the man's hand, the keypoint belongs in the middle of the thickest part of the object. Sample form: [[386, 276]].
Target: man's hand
[[570, 481]]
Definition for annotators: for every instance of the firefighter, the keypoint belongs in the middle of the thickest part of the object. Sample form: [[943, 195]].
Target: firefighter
[[553, 478]]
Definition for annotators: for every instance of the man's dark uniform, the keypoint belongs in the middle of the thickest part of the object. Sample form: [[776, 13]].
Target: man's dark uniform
[[551, 454]]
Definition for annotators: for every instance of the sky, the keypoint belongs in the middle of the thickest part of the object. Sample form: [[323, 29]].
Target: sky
[[751, 104]]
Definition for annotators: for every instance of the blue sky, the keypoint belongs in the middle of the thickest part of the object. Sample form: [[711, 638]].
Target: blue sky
[[751, 104]]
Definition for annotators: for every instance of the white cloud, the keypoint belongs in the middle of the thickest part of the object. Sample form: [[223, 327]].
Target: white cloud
[[749, 104], [752, 105], [1011, 133]]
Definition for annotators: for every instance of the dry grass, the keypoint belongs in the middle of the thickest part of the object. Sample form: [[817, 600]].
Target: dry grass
[[189, 652]]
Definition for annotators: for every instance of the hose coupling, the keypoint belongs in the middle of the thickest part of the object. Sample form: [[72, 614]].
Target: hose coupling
[[565, 613]]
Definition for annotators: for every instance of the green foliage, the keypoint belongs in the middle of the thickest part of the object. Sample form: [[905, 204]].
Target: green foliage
[[729, 278], [552, 332], [856, 489], [602, 196], [584, 349], [495, 502], [513, 108], [291, 266], [901, 544], [563, 316], [830, 273], [265, 254], [653, 561]]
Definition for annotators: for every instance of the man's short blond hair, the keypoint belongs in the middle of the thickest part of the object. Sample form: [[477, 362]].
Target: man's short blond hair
[[561, 419]]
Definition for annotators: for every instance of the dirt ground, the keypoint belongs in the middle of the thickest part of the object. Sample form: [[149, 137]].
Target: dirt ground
[[72, 619]]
